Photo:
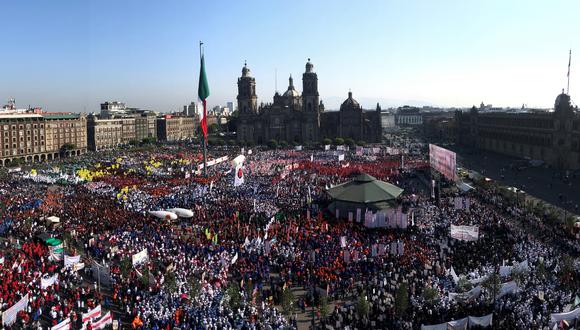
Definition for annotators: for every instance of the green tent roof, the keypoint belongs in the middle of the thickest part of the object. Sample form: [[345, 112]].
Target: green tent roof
[[365, 189], [53, 241]]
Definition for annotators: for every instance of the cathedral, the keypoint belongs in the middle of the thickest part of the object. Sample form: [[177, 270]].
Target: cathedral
[[293, 117]]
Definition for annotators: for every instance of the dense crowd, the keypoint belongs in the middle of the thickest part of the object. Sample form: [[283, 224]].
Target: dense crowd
[[236, 262]]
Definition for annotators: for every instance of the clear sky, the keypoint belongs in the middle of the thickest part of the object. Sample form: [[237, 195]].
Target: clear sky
[[73, 55]]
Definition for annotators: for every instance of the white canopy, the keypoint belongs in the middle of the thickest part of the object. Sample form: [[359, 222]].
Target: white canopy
[[183, 213], [53, 219], [163, 215]]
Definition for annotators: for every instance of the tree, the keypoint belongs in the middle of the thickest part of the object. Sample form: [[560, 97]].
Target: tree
[[361, 143], [519, 275], [283, 144], [213, 128], [232, 297], [272, 144], [430, 295], [567, 272], [541, 270], [349, 142], [402, 299], [145, 277], [324, 306], [463, 284], [362, 306], [125, 266], [288, 302], [327, 141], [250, 143], [232, 142], [133, 142], [65, 148], [170, 281], [338, 141], [492, 284], [194, 287]]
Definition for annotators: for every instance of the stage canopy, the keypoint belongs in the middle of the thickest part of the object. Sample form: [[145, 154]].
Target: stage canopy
[[364, 192]]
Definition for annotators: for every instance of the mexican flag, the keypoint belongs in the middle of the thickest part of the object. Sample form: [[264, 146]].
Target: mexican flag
[[202, 94]]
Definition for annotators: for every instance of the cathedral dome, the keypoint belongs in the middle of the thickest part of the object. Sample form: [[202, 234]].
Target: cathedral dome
[[349, 103], [291, 92], [309, 66], [562, 101], [245, 70]]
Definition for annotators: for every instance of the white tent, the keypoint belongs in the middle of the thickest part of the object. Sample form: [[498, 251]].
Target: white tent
[[53, 219], [183, 213], [163, 215]]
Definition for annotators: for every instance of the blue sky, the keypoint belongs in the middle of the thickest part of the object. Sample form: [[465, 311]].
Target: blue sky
[[72, 55]]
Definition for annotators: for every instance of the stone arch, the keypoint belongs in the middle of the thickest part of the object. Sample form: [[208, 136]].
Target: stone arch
[[28, 159], [36, 158]]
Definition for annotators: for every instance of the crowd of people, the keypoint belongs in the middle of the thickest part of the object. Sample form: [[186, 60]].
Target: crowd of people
[[267, 254]]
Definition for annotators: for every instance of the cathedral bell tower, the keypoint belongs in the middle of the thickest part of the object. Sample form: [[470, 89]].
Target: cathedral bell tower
[[247, 98], [310, 99]]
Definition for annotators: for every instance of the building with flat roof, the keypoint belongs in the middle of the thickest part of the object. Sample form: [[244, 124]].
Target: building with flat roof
[[175, 128], [30, 135], [553, 137]]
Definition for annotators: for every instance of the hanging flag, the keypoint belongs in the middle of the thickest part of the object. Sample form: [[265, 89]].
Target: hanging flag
[[239, 176], [202, 94]]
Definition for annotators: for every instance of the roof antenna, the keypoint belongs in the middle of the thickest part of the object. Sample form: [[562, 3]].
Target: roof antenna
[[569, 60]]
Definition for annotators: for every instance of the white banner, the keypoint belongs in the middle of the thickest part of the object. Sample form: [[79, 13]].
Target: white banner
[[47, 281], [9, 316], [327, 147], [69, 261], [340, 157], [465, 233], [466, 296], [103, 322], [343, 241], [507, 288], [64, 325], [140, 257], [482, 321], [568, 316], [92, 314]]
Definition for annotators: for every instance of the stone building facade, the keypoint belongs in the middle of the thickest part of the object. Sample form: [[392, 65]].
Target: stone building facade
[[175, 128], [553, 137], [295, 117], [33, 136], [103, 134]]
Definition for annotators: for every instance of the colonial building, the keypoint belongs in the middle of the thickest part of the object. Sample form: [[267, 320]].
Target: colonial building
[[175, 128], [409, 116], [30, 135], [295, 117], [66, 133], [103, 134], [552, 137]]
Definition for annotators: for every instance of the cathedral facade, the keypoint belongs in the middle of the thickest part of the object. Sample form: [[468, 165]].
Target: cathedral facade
[[301, 118]]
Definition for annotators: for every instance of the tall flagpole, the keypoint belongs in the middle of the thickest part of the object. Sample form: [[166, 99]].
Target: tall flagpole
[[569, 60], [204, 114]]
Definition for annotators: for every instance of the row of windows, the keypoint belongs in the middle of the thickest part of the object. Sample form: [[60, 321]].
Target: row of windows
[[28, 126]]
